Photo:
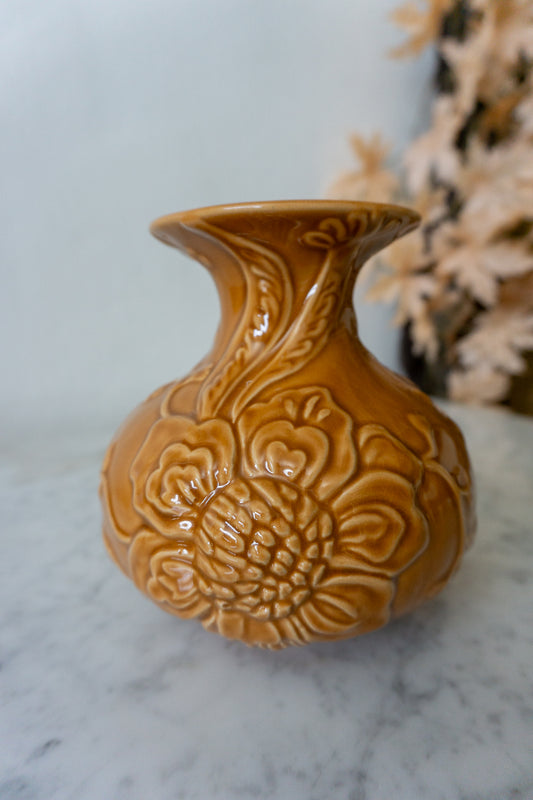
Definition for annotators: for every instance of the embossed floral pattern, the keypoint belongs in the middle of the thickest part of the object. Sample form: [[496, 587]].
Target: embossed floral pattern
[[301, 543], [333, 231], [250, 499]]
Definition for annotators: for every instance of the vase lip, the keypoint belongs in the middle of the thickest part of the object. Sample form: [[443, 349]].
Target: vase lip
[[165, 225]]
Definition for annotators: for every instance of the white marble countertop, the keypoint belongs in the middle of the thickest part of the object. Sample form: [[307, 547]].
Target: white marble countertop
[[105, 697]]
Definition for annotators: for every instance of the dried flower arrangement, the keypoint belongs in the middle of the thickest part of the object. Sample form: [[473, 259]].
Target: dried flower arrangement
[[464, 282]]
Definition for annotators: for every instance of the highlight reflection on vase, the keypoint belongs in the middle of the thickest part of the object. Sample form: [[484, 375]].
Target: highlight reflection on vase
[[290, 489]]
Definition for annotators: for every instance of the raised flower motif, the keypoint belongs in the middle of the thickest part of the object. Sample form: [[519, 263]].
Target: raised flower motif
[[332, 231], [286, 528]]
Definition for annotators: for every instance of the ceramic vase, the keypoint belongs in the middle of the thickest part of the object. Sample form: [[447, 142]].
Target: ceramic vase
[[290, 489]]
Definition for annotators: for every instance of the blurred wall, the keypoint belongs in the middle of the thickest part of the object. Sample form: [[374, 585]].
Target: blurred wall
[[116, 112]]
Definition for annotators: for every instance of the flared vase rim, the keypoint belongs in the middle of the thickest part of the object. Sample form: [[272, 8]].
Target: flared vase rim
[[332, 208]]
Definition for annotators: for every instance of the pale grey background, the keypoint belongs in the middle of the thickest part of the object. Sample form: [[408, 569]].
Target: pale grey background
[[113, 113]]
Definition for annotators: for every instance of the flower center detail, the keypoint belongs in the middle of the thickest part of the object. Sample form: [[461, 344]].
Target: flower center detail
[[262, 545]]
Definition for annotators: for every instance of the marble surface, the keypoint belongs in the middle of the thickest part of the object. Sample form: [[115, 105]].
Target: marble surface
[[105, 697]]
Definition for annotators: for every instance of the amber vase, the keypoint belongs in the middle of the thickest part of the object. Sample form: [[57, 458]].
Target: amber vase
[[290, 489]]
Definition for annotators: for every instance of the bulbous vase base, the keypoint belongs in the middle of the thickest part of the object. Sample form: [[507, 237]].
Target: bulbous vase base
[[290, 489]]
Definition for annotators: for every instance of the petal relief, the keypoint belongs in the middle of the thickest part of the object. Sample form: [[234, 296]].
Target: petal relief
[[229, 623], [380, 526], [165, 572], [380, 449], [183, 479], [179, 465], [446, 454], [296, 454], [307, 421], [346, 605]]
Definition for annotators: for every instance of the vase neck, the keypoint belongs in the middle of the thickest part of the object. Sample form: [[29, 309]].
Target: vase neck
[[285, 274]]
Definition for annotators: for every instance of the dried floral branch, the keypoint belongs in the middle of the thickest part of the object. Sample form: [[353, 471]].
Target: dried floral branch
[[372, 180], [464, 284], [422, 25]]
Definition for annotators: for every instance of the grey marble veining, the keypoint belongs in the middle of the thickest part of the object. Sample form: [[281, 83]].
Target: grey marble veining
[[105, 697]]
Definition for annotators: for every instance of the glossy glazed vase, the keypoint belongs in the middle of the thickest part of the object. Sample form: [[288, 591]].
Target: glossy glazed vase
[[290, 489]]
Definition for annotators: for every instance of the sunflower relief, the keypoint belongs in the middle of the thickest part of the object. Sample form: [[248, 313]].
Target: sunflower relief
[[281, 529]]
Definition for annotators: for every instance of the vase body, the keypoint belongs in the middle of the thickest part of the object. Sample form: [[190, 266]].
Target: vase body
[[290, 489]]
